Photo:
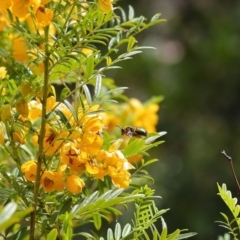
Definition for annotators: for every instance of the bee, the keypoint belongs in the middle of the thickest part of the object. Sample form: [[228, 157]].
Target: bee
[[131, 131]]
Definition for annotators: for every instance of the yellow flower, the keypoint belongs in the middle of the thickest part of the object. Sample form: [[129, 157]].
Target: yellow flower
[[117, 169], [3, 21], [87, 51], [52, 181], [144, 116], [51, 103], [115, 146], [53, 139], [71, 155], [19, 135], [111, 119], [105, 5], [19, 49], [44, 16], [135, 159], [121, 179], [62, 168], [74, 184], [35, 110], [91, 143], [92, 166], [5, 4], [102, 159], [20, 8], [3, 72], [67, 113], [29, 169], [93, 124]]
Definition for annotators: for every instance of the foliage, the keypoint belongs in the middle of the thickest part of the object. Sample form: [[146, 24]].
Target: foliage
[[65, 160], [233, 225]]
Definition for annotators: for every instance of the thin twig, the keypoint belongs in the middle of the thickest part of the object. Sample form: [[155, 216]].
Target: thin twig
[[233, 172]]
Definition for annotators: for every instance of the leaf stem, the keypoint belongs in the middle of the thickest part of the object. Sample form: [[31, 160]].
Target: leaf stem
[[41, 155]]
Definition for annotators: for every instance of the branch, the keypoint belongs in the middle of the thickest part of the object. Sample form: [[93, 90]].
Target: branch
[[233, 172]]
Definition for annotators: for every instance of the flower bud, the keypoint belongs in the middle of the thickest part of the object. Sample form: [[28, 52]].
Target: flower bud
[[6, 112], [1, 135], [22, 107], [19, 136], [24, 88]]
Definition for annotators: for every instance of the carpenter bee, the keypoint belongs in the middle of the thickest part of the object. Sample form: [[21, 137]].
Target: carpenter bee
[[131, 131]]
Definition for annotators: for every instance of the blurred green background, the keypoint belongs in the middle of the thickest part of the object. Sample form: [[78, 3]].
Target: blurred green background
[[196, 67]]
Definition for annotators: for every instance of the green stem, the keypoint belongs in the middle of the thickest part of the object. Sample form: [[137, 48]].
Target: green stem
[[41, 136]]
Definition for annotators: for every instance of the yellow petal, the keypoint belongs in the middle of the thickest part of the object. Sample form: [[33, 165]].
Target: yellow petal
[[44, 16], [74, 184], [5, 4], [3, 72], [105, 5]]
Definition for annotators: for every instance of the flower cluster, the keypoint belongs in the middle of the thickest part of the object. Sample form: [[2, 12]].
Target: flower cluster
[[25, 9], [36, 10], [73, 145]]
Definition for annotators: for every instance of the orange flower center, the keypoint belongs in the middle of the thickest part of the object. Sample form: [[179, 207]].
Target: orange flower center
[[48, 182], [51, 138]]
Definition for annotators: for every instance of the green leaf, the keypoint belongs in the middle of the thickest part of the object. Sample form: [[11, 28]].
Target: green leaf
[[152, 138], [63, 118], [86, 201], [131, 42], [87, 94], [174, 235], [148, 162], [52, 235], [22, 234], [118, 231], [3, 53], [12, 87], [98, 85], [71, 109], [112, 42], [164, 225], [116, 91], [67, 226], [110, 234], [90, 66], [66, 206], [129, 54], [130, 12], [225, 217], [53, 217], [133, 148], [64, 93], [8, 217], [100, 18], [155, 17], [140, 21], [7, 212], [97, 220], [126, 230], [164, 234], [186, 235]]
